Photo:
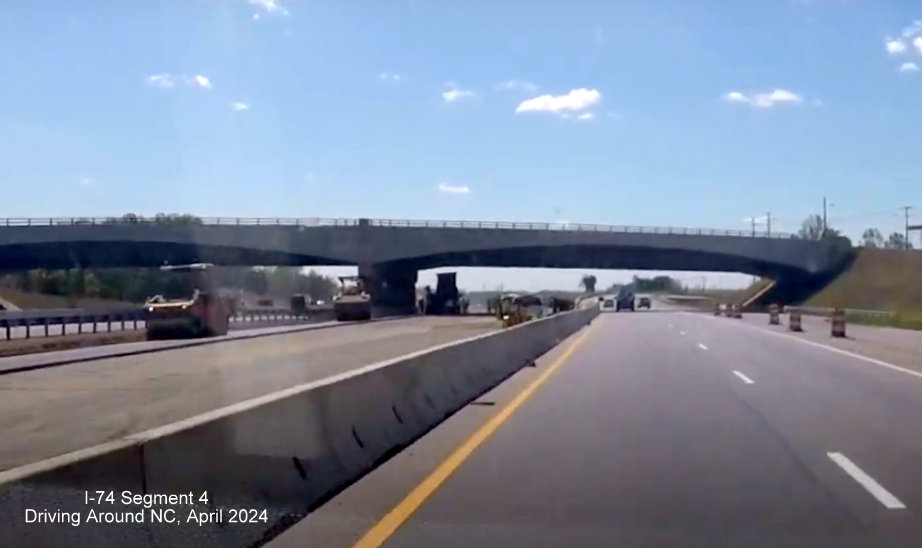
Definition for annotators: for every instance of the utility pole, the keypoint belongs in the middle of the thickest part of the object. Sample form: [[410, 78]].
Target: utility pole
[[753, 226], [824, 216], [906, 229], [768, 222]]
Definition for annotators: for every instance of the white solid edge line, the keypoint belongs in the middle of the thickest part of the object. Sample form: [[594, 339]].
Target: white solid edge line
[[868, 359], [702, 347], [744, 378], [870, 484]]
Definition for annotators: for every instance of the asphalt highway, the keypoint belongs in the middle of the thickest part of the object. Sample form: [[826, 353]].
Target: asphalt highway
[[663, 429], [51, 411]]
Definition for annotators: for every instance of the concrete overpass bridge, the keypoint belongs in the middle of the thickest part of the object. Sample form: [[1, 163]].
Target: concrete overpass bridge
[[391, 252]]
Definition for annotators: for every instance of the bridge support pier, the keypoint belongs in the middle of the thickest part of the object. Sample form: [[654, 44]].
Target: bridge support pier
[[393, 288]]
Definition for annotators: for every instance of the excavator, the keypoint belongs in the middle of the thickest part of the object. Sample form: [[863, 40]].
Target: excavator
[[353, 301], [204, 314]]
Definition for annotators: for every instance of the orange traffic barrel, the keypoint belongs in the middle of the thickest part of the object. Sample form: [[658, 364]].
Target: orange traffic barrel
[[838, 322], [794, 321], [773, 312]]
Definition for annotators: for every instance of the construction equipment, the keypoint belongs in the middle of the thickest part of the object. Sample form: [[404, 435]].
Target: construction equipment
[[625, 299], [205, 314], [446, 299], [299, 305], [353, 303], [516, 309]]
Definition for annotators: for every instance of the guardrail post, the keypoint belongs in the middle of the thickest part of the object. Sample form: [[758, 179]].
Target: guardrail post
[[8, 334], [123, 323], [28, 329], [108, 324], [63, 325], [80, 325], [135, 323], [45, 322], [94, 324]]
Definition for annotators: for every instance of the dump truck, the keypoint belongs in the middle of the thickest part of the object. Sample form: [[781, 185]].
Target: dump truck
[[446, 301], [353, 301], [299, 305], [625, 298], [205, 313]]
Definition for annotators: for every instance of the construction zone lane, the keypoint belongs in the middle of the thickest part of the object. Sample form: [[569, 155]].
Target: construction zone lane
[[52, 411]]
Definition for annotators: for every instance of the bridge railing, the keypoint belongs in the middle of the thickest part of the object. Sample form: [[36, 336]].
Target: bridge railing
[[319, 221], [211, 221], [581, 227]]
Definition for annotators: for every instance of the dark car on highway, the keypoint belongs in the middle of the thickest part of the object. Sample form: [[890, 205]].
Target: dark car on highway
[[644, 302]]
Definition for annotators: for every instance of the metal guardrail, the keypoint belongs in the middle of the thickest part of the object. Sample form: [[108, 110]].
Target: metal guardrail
[[316, 222], [93, 321]]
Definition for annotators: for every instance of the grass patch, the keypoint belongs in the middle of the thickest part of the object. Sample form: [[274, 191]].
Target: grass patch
[[879, 279]]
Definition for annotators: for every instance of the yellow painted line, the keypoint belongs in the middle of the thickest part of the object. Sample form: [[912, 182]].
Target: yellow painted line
[[381, 531]]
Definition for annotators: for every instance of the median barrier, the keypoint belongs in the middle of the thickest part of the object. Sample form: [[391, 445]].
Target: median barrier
[[280, 455]]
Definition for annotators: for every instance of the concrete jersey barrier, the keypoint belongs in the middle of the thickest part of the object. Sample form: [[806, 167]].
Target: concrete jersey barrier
[[270, 460]]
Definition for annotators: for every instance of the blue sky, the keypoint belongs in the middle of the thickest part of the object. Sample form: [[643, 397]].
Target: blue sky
[[680, 113]]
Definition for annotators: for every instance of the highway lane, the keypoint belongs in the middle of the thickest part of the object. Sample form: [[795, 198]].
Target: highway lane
[[52, 411], [902, 347], [671, 429]]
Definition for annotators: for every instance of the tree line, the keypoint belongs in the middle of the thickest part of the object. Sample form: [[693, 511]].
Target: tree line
[[137, 284], [813, 228]]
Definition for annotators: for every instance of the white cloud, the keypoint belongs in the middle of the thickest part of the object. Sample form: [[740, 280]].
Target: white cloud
[[518, 85], [454, 189], [765, 99], [166, 80], [238, 106], [586, 116], [161, 80], [913, 30], [917, 43], [457, 94], [895, 46], [267, 6], [390, 77], [575, 101], [908, 67]]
